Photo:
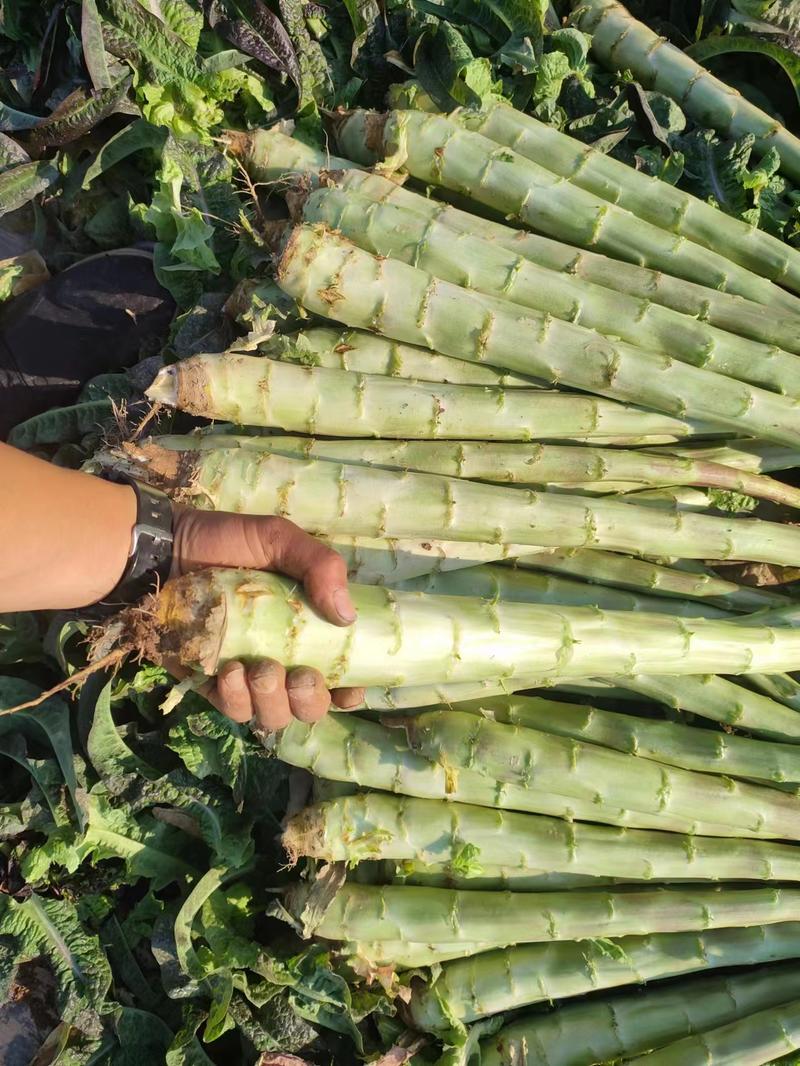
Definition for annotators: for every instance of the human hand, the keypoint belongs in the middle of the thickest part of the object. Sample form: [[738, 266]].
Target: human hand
[[265, 690]]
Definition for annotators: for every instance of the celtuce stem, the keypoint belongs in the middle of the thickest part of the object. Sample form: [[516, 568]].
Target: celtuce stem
[[473, 988], [211, 617], [647, 197], [751, 1041], [347, 748], [583, 468], [367, 353], [270, 154], [377, 826], [330, 276], [672, 743], [521, 586], [719, 699], [442, 916], [247, 390], [622, 43], [621, 571], [337, 499], [438, 151], [600, 1030], [467, 260], [524, 756]]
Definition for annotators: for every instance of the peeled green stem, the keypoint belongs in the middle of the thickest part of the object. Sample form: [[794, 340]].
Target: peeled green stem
[[602, 1029], [622, 43], [587, 469], [271, 155], [495, 878], [414, 696], [378, 826], [252, 391], [467, 260], [439, 151], [647, 197], [719, 699], [441, 915], [526, 586], [396, 955], [524, 756], [381, 561], [211, 617], [608, 568], [336, 499], [681, 498], [757, 457], [750, 1041], [348, 748], [538, 973], [332, 277], [367, 353], [673, 743]]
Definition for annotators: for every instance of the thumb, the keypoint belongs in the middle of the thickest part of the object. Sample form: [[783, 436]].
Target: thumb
[[292, 551]]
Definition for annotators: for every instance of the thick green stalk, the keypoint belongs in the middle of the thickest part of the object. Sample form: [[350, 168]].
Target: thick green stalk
[[750, 1041], [211, 617], [464, 259], [348, 748], [439, 151], [757, 457], [539, 973], [647, 197], [414, 696], [252, 391], [381, 561], [442, 915], [397, 955], [271, 154], [674, 743], [335, 499], [526, 586], [570, 767], [622, 571], [719, 699], [677, 499], [330, 276], [600, 1029], [493, 878], [724, 310], [377, 826], [584, 468], [620, 42], [368, 353], [781, 687]]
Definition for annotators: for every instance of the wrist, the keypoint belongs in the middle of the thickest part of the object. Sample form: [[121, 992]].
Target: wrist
[[116, 511]]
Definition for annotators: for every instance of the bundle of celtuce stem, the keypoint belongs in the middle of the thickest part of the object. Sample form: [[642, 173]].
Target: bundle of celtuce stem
[[578, 761]]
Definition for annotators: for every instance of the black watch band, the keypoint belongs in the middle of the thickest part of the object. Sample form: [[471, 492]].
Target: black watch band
[[150, 557]]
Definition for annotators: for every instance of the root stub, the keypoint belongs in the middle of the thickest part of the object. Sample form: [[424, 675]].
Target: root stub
[[184, 623]]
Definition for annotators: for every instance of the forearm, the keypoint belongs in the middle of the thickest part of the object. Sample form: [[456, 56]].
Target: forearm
[[64, 535]]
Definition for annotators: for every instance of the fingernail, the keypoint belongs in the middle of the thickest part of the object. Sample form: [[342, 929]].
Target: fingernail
[[344, 606], [235, 676]]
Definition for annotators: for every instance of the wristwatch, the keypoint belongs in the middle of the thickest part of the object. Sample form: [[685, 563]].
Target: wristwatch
[[150, 556]]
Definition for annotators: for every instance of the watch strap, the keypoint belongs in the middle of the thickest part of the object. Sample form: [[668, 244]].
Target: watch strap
[[150, 557]]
